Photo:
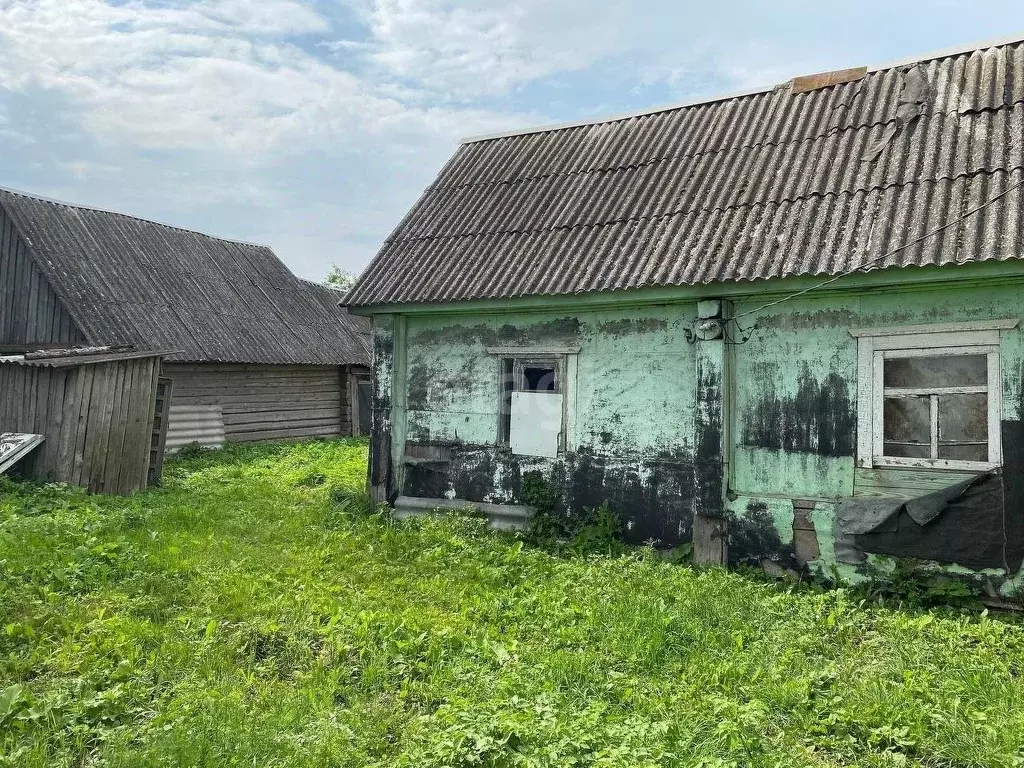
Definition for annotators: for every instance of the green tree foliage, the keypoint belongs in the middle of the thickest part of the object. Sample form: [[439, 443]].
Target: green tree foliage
[[339, 278]]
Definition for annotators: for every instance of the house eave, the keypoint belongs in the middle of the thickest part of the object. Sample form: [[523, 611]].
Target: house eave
[[906, 278]]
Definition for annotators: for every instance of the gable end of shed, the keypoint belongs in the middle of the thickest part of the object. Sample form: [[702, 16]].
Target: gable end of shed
[[31, 311]]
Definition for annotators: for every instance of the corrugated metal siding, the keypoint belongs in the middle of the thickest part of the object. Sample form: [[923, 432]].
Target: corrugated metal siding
[[762, 186], [211, 403], [191, 422], [30, 310], [97, 418], [131, 281]]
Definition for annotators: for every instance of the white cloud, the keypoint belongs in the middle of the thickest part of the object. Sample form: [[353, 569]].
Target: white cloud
[[200, 75], [460, 51]]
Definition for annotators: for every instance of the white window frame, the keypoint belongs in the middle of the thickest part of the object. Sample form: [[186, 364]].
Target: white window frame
[[875, 345]]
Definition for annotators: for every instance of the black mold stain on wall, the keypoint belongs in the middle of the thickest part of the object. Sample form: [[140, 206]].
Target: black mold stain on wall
[[422, 379], [753, 538], [631, 326], [560, 329], [652, 496], [821, 418], [1013, 490], [380, 420], [708, 461]]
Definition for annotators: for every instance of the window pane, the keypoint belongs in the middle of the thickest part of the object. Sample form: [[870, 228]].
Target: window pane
[[955, 371], [963, 427], [539, 379], [964, 452], [963, 418], [908, 421], [905, 451]]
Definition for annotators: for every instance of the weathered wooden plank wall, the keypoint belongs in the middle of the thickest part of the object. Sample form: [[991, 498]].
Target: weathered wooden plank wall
[[30, 311], [97, 419], [256, 402]]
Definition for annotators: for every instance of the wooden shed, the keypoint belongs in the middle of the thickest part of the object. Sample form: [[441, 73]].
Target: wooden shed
[[101, 413], [261, 353]]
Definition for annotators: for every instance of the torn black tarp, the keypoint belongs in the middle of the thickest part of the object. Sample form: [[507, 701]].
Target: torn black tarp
[[965, 523]]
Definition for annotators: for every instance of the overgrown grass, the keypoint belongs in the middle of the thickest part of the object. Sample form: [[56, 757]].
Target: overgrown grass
[[252, 613]]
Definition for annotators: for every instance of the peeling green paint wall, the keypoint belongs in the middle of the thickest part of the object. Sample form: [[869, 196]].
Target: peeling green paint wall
[[632, 400], [628, 370], [782, 377], [630, 404]]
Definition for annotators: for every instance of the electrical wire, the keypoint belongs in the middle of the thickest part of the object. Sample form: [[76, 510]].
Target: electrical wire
[[870, 265]]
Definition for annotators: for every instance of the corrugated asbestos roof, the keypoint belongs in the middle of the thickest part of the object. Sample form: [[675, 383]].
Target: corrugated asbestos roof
[[128, 281], [765, 185], [70, 358]]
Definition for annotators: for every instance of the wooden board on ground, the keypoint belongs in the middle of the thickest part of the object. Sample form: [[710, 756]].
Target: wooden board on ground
[[15, 446]]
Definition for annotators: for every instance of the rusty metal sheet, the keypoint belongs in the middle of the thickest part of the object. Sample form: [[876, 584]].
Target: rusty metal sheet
[[807, 83]]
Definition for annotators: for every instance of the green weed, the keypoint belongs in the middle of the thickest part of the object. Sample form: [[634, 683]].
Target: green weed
[[259, 610]]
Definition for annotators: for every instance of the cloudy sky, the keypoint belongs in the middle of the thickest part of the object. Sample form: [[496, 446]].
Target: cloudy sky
[[313, 125]]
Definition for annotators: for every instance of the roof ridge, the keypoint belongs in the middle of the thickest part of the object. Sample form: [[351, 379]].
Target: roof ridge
[[97, 209], [943, 53]]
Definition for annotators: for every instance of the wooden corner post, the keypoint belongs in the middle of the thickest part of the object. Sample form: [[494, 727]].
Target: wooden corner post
[[711, 425], [387, 412]]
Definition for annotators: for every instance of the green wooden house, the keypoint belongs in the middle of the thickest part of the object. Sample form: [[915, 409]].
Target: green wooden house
[[783, 324]]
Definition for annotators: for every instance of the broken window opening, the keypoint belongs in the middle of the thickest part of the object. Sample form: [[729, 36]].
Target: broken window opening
[[539, 379], [530, 408]]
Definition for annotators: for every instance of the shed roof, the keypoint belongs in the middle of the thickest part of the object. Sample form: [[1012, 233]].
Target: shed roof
[[129, 281], [762, 185], [74, 357]]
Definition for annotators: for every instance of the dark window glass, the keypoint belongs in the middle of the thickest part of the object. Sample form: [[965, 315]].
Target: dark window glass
[[907, 451], [928, 372], [908, 422], [963, 427], [539, 379], [964, 452]]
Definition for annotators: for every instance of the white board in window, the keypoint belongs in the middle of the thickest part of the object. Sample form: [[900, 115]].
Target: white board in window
[[535, 424]]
